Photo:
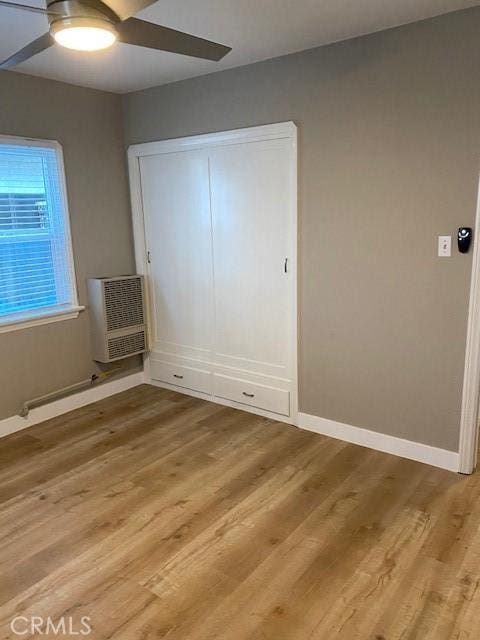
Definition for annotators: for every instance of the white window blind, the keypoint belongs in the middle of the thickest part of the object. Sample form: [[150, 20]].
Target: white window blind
[[36, 272]]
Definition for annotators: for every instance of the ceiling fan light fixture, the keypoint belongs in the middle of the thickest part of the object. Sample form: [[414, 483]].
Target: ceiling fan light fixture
[[84, 34], [92, 25]]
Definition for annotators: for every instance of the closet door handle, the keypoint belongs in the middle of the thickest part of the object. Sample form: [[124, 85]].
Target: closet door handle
[[175, 375], [248, 395]]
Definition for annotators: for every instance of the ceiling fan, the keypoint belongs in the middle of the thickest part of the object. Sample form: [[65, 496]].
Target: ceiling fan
[[91, 25]]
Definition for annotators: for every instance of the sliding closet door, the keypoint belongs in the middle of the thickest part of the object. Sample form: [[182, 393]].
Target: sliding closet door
[[251, 195], [176, 207], [218, 219]]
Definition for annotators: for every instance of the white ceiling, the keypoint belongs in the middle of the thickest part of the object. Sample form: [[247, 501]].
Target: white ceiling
[[256, 29]]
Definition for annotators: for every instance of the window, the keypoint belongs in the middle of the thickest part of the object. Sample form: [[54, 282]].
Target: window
[[36, 268]]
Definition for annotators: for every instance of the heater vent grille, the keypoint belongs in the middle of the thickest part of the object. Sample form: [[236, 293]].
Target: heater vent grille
[[123, 303], [127, 345], [117, 317]]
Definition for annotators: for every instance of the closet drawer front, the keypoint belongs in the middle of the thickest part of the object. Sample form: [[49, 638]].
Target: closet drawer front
[[195, 379], [255, 395]]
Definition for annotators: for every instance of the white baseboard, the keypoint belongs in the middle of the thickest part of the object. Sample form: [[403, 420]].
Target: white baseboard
[[434, 456], [381, 442], [69, 403]]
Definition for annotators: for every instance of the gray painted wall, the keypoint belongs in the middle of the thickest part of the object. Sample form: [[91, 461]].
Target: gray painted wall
[[389, 138], [88, 124]]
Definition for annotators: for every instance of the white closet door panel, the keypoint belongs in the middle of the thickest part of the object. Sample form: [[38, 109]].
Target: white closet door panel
[[176, 201], [252, 235]]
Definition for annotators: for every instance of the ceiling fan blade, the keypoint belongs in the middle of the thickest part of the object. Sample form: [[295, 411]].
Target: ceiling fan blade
[[155, 36], [127, 8], [26, 7], [38, 45]]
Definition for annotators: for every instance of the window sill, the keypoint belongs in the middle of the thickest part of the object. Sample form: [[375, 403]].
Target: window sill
[[29, 319]]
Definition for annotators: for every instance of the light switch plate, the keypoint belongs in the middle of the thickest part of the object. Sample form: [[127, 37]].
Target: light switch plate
[[444, 246]]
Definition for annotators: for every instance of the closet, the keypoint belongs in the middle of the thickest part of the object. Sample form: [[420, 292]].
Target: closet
[[215, 234]]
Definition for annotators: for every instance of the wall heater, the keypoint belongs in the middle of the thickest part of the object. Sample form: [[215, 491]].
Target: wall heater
[[118, 317]]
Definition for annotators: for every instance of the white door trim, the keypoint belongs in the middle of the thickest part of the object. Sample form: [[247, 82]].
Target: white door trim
[[283, 130], [471, 380], [220, 138]]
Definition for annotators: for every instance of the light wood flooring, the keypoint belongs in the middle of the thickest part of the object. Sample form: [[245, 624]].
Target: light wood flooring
[[162, 516]]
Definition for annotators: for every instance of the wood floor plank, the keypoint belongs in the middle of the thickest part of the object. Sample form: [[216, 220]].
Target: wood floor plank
[[162, 516]]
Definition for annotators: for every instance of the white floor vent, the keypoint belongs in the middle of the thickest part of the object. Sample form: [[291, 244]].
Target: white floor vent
[[117, 315]]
